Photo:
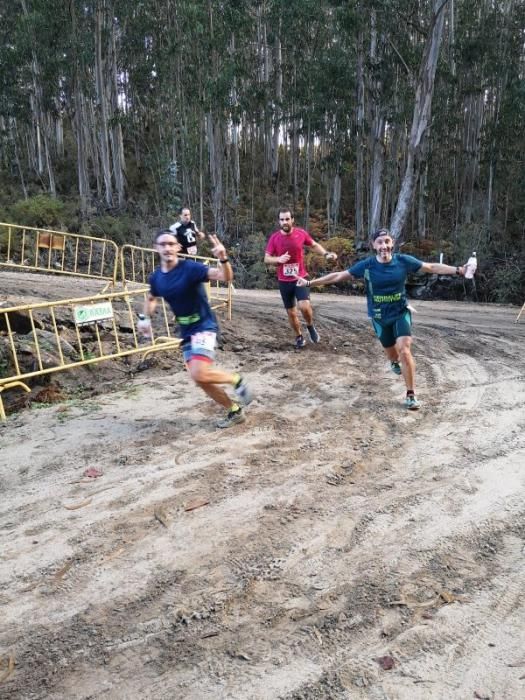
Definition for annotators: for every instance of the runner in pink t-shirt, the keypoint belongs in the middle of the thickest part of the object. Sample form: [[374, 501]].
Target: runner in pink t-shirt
[[285, 249]]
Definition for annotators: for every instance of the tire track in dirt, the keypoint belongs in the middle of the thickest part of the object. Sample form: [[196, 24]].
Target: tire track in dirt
[[320, 518]]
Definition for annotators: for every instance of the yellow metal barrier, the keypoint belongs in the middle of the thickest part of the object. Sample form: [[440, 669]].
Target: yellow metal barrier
[[59, 252], [37, 339], [136, 265]]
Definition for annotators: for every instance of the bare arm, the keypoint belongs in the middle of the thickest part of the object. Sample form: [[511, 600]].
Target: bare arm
[[144, 321], [223, 273], [276, 259], [318, 248], [150, 304], [440, 269], [330, 278]]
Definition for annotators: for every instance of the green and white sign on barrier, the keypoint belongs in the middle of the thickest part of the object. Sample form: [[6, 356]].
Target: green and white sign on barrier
[[93, 313]]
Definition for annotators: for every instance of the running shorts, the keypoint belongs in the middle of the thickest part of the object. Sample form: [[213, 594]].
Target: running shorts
[[389, 332], [290, 292]]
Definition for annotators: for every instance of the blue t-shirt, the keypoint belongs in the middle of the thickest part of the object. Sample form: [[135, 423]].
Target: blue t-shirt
[[183, 289], [385, 284]]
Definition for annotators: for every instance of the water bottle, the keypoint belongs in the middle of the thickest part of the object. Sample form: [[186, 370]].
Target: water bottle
[[144, 326], [471, 266]]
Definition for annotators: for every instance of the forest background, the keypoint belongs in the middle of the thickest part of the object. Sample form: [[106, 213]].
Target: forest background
[[355, 113]]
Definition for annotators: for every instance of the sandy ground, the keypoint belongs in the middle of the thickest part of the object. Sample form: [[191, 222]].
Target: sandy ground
[[346, 549]]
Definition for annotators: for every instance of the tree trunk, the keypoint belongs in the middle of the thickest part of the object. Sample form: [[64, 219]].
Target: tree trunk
[[359, 143], [377, 136], [102, 105], [236, 165], [421, 115], [215, 152], [117, 142], [473, 112], [14, 137], [82, 166], [277, 67], [422, 195], [335, 198], [308, 176], [39, 117], [79, 120]]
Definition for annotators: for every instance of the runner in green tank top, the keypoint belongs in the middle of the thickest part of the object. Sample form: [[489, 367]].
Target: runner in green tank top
[[385, 276]]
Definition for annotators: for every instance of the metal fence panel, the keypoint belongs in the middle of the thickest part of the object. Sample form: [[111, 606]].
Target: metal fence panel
[[137, 264], [58, 252], [38, 339]]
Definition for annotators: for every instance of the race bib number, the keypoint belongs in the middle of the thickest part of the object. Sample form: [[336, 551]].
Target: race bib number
[[291, 269], [204, 340], [190, 237], [192, 250]]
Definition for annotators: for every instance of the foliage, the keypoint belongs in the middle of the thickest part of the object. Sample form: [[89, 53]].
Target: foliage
[[317, 265], [506, 283], [121, 229], [40, 211], [247, 256], [258, 104]]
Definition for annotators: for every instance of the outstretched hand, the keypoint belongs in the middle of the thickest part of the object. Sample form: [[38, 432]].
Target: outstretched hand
[[301, 282], [218, 250], [331, 256]]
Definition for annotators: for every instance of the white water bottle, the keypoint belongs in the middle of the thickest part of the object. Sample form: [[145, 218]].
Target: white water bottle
[[471, 266], [144, 326]]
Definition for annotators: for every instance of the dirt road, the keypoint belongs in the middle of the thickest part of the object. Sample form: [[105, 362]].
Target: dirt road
[[335, 546]]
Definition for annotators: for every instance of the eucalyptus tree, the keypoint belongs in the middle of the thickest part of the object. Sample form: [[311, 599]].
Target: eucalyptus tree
[[421, 115]]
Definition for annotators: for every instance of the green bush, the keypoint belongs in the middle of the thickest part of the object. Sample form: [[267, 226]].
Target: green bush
[[317, 265], [507, 284], [122, 229], [41, 211]]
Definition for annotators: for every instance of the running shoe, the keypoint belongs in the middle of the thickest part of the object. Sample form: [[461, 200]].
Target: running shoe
[[314, 335], [243, 393], [396, 368], [412, 403], [300, 342], [231, 419]]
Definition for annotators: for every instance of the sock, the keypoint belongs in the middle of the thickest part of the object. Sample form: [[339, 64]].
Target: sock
[[410, 392], [235, 408], [310, 327]]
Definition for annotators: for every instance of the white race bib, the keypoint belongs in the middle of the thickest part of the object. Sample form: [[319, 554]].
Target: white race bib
[[204, 340], [291, 269]]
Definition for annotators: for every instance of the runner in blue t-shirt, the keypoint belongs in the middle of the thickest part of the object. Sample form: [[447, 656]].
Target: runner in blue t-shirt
[[180, 283], [385, 275]]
